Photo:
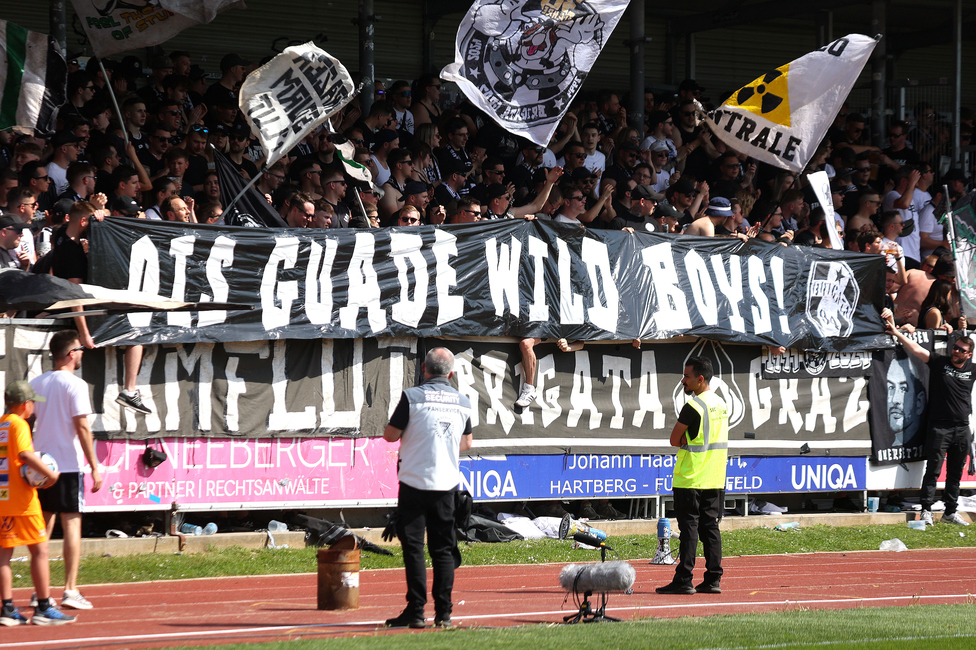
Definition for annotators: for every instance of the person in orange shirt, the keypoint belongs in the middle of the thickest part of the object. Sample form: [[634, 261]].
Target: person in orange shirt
[[21, 520]]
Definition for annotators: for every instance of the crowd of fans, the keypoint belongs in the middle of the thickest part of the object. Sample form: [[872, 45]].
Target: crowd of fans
[[434, 161]]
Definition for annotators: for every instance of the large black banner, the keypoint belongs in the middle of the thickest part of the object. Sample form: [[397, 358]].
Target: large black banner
[[500, 278], [251, 389], [610, 398]]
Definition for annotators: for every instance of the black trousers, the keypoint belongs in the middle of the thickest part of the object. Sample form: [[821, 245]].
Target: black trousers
[[951, 445], [698, 513], [433, 511]]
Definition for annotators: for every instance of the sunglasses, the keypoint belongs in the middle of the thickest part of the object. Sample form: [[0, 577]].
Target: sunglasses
[[578, 197], [581, 156], [960, 349], [174, 112], [172, 140], [42, 178], [80, 348], [895, 135], [405, 93], [688, 113], [411, 219], [199, 129], [238, 136], [380, 92]]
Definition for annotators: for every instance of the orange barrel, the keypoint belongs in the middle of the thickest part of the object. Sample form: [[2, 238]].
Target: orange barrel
[[338, 578]]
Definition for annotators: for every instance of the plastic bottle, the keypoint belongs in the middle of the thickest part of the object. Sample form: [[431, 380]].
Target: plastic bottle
[[276, 526], [210, 528], [788, 525], [191, 529], [893, 545]]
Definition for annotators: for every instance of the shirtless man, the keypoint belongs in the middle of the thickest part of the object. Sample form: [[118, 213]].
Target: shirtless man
[[913, 292]]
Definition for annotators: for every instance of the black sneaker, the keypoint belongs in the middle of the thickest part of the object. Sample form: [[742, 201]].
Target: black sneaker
[[673, 588], [706, 588], [415, 621], [133, 401], [442, 620]]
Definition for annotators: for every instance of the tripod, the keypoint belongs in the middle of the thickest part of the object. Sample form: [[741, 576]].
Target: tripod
[[586, 612]]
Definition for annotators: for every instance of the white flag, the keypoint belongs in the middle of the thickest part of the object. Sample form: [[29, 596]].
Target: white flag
[[522, 62], [781, 117], [820, 183], [290, 95], [114, 26], [33, 75]]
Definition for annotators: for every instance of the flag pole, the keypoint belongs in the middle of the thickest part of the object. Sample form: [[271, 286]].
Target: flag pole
[[246, 188], [115, 102]]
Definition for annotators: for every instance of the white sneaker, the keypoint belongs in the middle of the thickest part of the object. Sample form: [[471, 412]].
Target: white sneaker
[[927, 517], [75, 600], [954, 518], [527, 396]]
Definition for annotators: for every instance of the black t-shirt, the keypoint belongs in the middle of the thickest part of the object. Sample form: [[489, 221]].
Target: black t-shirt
[[691, 417], [950, 391], [246, 166], [152, 164], [219, 93], [69, 259]]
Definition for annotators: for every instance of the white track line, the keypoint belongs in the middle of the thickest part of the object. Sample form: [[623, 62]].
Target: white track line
[[263, 631]]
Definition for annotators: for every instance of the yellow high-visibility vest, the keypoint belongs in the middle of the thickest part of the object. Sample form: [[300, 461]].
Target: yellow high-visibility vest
[[702, 461]]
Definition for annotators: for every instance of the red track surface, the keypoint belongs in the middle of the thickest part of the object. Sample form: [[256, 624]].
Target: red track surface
[[267, 608]]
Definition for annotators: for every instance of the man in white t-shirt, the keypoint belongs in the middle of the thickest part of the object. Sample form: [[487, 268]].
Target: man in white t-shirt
[[62, 430], [595, 160], [902, 199], [931, 233]]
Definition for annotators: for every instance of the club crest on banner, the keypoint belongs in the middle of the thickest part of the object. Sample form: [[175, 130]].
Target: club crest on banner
[[723, 381], [832, 295]]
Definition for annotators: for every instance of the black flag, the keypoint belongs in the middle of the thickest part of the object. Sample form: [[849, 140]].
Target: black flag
[[252, 209]]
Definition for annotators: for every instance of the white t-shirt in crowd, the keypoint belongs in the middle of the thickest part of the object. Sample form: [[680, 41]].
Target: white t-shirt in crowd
[[928, 222], [661, 184], [59, 176], [912, 243], [596, 162], [54, 431], [561, 218]]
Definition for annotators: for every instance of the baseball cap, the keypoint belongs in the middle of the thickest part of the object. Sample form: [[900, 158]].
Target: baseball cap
[[659, 145], [383, 136], [456, 166], [196, 72], [62, 138], [230, 60], [665, 209], [719, 206], [10, 221], [126, 205], [684, 186], [582, 174], [20, 391], [414, 187], [496, 190], [646, 192]]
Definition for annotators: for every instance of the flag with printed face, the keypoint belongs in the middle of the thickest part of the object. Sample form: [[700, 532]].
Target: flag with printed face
[[285, 99], [781, 117], [523, 61], [114, 26], [33, 76]]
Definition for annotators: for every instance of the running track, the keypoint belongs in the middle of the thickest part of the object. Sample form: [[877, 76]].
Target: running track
[[267, 608]]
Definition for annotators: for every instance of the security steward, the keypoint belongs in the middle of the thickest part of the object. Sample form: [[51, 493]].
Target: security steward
[[433, 424], [702, 438]]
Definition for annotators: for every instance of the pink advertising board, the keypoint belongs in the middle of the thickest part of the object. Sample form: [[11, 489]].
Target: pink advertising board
[[232, 474]]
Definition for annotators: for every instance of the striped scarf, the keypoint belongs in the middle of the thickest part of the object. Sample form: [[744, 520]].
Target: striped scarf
[[33, 80]]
